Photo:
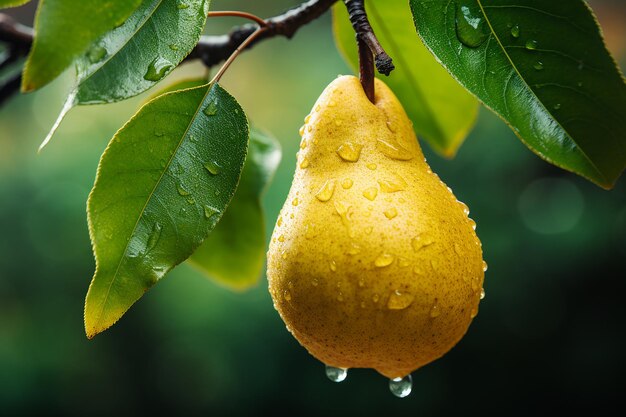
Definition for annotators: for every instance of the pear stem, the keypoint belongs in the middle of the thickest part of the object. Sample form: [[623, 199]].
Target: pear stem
[[366, 68], [364, 31]]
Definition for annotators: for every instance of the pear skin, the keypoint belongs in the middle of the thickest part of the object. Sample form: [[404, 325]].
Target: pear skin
[[373, 263]]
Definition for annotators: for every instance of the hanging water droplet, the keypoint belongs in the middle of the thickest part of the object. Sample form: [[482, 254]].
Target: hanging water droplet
[[303, 144], [392, 149], [531, 44], [301, 130], [401, 387], [420, 241], [538, 65], [370, 193], [96, 54], [347, 183], [482, 293], [515, 31], [384, 259], [466, 209], [399, 300], [326, 192], [350, 151], [336, 374], [213, 167], [471, 29], [485, 266], [391, 213], [211, 108], [307, 118], [304, 163], [472, 223], [474, 312], [157, 69]]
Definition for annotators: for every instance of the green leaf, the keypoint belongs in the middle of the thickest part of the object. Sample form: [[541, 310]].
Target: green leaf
[[234, 253], [65, 29], [156, 198], [12, 3], [442, 111], [543, 68], [135, 56]]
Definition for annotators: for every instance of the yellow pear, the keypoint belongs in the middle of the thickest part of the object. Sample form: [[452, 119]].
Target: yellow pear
[[373, 262]]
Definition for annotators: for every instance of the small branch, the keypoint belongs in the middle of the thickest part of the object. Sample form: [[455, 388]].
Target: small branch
[[366, 68], [211, 49], [363, 29]]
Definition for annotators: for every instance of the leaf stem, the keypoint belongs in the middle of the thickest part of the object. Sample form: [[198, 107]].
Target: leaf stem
[[234, 55], [236, 13]]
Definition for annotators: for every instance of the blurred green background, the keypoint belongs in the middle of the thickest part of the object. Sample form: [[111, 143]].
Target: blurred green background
[[550, 335]]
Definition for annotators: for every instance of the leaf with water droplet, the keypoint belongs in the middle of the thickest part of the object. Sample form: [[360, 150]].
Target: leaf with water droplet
[[65, 30], [137, 58], [234, 253], [442, 111], [471, 28], [150, 223], [533, 59]]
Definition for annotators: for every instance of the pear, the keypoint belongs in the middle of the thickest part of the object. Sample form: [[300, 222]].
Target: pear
[[373, 263]]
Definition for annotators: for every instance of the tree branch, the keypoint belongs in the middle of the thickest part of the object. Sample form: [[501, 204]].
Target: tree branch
[[211, 49]]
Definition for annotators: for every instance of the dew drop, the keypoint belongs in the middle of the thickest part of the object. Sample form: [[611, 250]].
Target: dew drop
[[96, 54], [515, 31], [318, 108], [361, 282], [347, 183], [279, 222], [304, 163], [466, 209], [281, 238], [401, 387], [210, 109], [314, 282], [336, 374], [557, 106], [332, 265], [392, 149], [210, 211], [173, 47], [457, 249], [354, 249], [393, 184], [472, 223], [538, 65], [301, 130], [157, 69], [295, 202], [181, 190], [421, 241], [485, 266], [371, 166], [153, 239], [482, 293], [399, 300], [375, 298], [474, 312], [471, 29], [326, 192], [307, 118], [370, 193], [391, 213], [303, 144], [213, 167], [287, 295], [182, 6], [338, 122], [350, 151], [435, 311], [384, 259], [531, 44]]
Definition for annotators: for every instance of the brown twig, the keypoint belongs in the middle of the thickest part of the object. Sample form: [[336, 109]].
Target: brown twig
[[363, 29]]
